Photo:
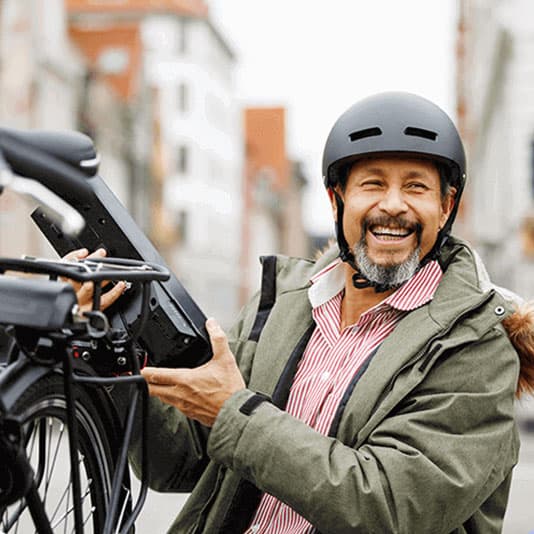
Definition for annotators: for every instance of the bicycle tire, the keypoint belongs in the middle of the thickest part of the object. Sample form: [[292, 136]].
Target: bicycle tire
[[42, 409]]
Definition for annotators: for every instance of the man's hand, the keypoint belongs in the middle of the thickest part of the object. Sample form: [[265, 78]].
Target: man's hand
[[199, 393], [84, 292]]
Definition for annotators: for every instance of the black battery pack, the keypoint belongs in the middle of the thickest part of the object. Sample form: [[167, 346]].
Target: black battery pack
[[174, 335]]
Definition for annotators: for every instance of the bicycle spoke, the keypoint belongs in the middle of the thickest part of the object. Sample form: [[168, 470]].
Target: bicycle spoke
[[41, 461], [58, 445], [66, 493], [30, 434], [69, 493], [70, 510], [48, 452], [123, 510], [91, 512]]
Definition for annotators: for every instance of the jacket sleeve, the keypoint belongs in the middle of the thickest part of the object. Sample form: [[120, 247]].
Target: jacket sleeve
[[176, 445], [426, 467]]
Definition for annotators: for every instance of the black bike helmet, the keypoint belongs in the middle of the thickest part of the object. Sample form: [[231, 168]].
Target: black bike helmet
[[393, 123]]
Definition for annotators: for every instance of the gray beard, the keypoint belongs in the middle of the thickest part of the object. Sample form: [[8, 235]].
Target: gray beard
[[388, 276]]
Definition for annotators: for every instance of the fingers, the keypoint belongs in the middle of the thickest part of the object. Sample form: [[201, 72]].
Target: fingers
[[218, 339], [76, 254], [98, 253], [109, 297], [163, 376], [84, 292], [85, 295]]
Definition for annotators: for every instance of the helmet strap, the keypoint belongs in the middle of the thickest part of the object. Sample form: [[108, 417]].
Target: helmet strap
[[444, 233], [359, 280]]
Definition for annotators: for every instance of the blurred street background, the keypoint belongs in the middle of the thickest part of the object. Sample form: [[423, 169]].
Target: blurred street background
[[210, 119]]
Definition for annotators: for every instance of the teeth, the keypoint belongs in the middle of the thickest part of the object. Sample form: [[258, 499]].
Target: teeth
[[397, 232]]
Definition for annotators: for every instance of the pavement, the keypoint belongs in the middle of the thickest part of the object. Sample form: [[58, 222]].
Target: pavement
[[519, 517], [159, 510]]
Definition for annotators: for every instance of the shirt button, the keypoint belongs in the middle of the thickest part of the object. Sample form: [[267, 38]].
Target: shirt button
[[254, 529], [325, 375]]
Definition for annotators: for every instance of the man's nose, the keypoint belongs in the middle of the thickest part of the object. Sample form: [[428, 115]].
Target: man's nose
[[393, 202]]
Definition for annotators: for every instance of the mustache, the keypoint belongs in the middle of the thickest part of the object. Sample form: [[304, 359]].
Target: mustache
[[398, 222]]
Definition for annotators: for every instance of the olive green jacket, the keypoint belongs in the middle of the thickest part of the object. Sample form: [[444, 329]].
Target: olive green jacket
[[424, 441]]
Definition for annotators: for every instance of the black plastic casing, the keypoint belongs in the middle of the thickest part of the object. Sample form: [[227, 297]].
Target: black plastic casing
[[175, 334]]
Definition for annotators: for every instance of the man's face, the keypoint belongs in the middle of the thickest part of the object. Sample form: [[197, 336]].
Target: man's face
[[393, 209]]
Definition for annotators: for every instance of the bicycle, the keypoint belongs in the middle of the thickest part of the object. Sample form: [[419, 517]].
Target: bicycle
[[62, 362]]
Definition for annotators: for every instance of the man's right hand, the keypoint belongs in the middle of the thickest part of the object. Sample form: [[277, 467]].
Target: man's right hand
[[84, 291]]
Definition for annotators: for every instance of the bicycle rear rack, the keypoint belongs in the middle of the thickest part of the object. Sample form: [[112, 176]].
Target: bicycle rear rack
[[55, 317]]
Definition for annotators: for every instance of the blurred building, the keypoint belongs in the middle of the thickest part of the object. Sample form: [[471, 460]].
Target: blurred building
[[40, 75], [495, 90], [272, 196], [192, 204], [46, 82], [152, 83]]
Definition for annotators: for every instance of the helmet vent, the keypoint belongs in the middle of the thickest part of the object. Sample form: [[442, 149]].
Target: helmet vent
[[420, 132], [368, 132]]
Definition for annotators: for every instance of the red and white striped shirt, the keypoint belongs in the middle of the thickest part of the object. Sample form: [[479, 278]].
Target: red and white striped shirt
[[330, 361]]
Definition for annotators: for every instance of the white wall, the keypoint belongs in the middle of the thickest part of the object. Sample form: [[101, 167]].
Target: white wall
[[209, 192]]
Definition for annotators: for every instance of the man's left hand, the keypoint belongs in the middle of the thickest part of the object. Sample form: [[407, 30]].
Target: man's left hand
[[199, 393]]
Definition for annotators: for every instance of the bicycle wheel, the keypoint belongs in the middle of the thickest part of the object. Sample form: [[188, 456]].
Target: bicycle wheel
[[42, 410]]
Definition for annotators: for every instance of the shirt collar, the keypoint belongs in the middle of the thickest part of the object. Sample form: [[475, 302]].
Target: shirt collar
[[327, 283], [416, 292]]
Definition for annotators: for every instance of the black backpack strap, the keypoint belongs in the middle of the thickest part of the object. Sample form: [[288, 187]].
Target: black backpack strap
[[267, 296], [247, 496]]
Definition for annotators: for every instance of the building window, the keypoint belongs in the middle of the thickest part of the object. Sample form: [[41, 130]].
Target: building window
[[183, 159], [182, 224], [183, 97], [182, 40]]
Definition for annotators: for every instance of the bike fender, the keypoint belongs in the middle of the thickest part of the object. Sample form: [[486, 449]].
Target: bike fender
[[17, 377]]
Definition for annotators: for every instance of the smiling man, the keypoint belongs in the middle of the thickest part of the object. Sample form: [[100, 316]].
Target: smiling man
[[393, 208], [371, 390], [400, 208]]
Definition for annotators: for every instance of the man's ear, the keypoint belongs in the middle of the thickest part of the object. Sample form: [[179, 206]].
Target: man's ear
[[332, 199], [447, 205]]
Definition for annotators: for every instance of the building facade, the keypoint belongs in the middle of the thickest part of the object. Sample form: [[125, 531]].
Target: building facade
[[190, 66], [39, 80], [47, 83], [496, 115]]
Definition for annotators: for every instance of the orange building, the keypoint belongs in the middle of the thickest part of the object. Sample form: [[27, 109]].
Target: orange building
[[272, 195]]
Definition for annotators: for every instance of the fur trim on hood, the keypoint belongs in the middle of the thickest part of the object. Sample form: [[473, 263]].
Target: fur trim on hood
[[520, 329]]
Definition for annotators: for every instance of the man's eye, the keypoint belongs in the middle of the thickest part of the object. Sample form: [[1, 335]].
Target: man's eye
[[418, 186], [371, 183]]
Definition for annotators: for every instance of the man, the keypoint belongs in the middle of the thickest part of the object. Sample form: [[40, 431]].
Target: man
[[370, 391]]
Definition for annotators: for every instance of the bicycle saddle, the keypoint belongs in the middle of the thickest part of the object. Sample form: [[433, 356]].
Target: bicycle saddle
[[72, 148]]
